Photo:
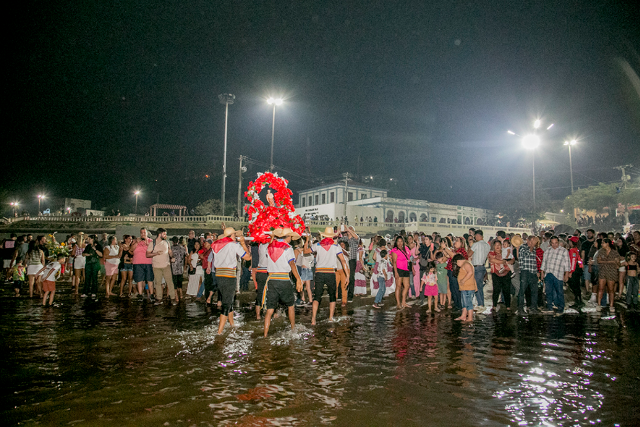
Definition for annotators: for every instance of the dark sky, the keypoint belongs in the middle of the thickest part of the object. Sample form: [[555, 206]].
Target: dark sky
[[105, 97]]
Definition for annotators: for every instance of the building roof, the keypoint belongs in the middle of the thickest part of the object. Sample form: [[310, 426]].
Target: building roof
[[351, 184]]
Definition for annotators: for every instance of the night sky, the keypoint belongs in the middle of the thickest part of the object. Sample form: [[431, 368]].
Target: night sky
[[105, 97]]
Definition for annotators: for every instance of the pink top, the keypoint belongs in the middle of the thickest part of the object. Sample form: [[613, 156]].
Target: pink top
[[140, 253], [402, 262]]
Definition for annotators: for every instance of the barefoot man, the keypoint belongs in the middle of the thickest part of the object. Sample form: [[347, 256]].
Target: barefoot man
[[225, 253], [280, 262], [327, 255]]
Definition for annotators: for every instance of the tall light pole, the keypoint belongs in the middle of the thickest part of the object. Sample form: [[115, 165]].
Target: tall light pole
[[274, 101], [569, 144], [137, 193], [15, 206], [226, 99], [40, 198]]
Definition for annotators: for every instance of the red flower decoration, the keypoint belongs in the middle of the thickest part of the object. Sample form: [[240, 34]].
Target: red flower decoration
[[267, 218]]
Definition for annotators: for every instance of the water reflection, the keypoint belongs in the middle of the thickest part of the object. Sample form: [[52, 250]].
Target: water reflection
[[135, 364]]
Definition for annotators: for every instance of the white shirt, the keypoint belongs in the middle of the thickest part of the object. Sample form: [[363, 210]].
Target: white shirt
[[281, 264], [162, 247], [326, 258], [262, 256], [113, 250], [480, 250], [49, 274], [226, 257]]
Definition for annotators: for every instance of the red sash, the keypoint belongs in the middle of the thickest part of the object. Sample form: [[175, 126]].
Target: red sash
[[326, 243], [276, 249], [219, 244]]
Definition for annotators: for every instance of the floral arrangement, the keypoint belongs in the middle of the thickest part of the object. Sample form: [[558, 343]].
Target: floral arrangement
[[56, 248], [279, 212]]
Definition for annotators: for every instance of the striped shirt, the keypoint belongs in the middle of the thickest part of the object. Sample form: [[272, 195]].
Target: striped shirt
[[556, 262], [480, 250], [527, 258]]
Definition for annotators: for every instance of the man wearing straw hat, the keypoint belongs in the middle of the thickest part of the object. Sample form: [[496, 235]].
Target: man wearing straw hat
[[226, 250], [327, 256], [281, 262]]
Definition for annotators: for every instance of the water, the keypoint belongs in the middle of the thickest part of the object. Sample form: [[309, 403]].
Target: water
[[124, 362]]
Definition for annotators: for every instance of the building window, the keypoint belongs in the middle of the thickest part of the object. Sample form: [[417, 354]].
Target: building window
[[310, 201], [332, 197], [316, 199], [304, 199], [324, 199], [363, 196], [350, 196]]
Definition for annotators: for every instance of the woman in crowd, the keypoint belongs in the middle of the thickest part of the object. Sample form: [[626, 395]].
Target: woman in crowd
[[414, 248], [78, 262], [111, 253], [304, 263], [360, 281], [450, 249], [592, 262], [126, 265], [622, 248], [342, 276], [608, 262], [35, 262], [500, 276], [400, 256], [195, 271]]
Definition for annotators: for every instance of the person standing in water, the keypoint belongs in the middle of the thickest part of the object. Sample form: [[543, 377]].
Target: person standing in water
[[327, 256], [281, 262], [226, 250]]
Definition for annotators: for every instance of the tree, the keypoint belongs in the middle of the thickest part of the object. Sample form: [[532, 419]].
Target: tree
[[593, 198], [214, 207]]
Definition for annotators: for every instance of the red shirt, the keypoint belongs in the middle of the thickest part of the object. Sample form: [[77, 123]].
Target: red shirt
[[204, 258], [574, 259], [459, 251], [539, 256]]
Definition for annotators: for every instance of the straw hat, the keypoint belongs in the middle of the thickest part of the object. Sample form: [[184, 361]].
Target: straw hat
[[285, 232], [516, 241], [328, 232], [228, 232]]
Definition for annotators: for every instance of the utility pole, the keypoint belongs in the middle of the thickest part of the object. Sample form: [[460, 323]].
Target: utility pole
[[346, 187], [625, 178], [240, 170], [226, 99]]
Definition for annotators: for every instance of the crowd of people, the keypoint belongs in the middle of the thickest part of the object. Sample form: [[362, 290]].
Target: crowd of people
[[442, 272]]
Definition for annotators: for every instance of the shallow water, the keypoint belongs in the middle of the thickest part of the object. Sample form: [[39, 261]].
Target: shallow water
[[130, 363]]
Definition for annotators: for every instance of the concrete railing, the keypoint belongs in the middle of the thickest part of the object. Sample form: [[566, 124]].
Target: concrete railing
[[164, 218]]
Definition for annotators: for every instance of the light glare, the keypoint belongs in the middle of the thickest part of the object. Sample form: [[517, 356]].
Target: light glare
[[550, 126], [530, 141], [537, 124]]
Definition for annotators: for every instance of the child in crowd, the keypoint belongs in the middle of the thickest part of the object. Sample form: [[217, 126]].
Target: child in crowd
[[19, 276], [631, 264], [443, 279], [48, 276], [383, 267], [430, 284], [507, 253]]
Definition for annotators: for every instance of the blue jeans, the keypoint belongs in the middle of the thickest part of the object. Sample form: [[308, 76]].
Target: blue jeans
[[555, 293], [382, 288], [530, 280], [479, 271], [455, 290], [632, 291], [467, 299]]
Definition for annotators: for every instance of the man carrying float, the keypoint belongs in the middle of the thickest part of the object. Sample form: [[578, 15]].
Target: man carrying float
[[327, 255], [226, 250], [281, 262]]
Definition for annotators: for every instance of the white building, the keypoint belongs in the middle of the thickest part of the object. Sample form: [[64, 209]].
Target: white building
[[328, 201]]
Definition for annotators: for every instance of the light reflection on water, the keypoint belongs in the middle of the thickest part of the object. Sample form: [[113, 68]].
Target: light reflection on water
[[128, 363]]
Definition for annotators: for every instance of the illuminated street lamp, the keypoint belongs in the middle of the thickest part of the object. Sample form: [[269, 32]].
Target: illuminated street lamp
[[137, 193], [226, 99], [15, 206], [569, 144], [40, 198], [274, 102]]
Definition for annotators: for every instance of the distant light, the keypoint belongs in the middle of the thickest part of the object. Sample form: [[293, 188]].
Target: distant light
[[561, 210], [136, 192], [277, 101], [206, 176], [14, 203], [511, 132], [530, 141], [537, 124], [371, 177], [573, 142], [41, 196], [390, 179], [550, 126]]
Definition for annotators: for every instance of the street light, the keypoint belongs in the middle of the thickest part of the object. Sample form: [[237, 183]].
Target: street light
[[274, 101], [15, 206], [226, 99], [40, 198], [569, 144], [137, 193]]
